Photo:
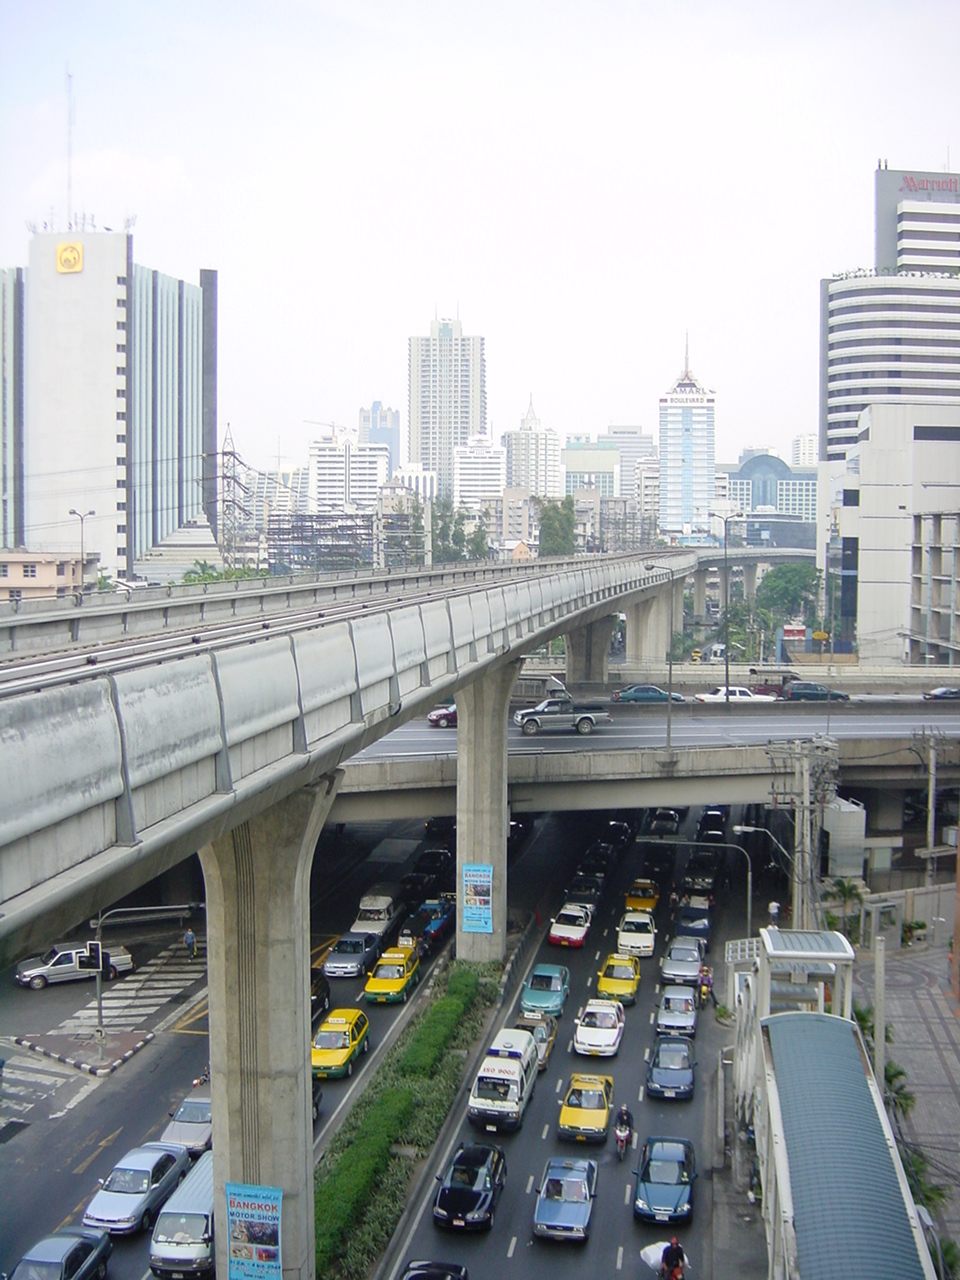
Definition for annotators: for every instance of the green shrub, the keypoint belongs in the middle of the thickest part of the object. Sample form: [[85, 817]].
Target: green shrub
[[343, 1195], [434, 1035]]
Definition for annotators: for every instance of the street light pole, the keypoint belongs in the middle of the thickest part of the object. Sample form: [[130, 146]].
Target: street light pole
[[734, 515], [81, 516], [741, 829]]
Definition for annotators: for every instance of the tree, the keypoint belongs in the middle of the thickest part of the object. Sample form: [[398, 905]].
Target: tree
[[478, 548], [848, 893], [790, 591], [416, 531], [558, 527], [445, 549]]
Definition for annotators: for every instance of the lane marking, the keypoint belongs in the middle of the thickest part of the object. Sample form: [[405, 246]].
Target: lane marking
[[82, 1168], [652, 1016], [559, 1085], [569, 1046], [626, 1194], [546, 1130], [597, 956], [634, 1141], [620, 1258], [646, 1054], [640, 1095], [530, 1184], [589, 982], [513, 1245]]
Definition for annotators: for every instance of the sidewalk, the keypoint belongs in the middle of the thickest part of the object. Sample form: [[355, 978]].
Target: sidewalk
[[739, 1239], [925, 1023]]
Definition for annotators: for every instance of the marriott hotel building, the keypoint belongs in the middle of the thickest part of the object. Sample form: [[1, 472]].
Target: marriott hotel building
[[892, 334]]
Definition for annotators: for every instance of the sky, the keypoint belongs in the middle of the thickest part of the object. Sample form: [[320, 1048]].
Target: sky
[[585, 184]]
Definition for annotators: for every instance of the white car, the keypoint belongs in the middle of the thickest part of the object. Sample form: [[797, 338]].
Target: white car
[[571, 926], [599, 1029], [737, 694], [636, 934]]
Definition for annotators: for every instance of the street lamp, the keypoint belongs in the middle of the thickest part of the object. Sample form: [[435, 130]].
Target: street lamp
[[740, 829], [81, 516], [734, 515], [697, 844], [669, 654]]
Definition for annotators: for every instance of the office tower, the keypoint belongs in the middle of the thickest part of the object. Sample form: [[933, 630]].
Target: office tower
[[345, 475], [647, 481], [533, 457], [634, 447], [120, 411], [804, 450], [590, 464], [11, 408], [447, 385], [382, 426], [893, 333], [687, 472], [479, 472]]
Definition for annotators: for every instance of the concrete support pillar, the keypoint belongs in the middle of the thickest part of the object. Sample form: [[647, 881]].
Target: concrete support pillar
[[588, 651], [638, 645], [258, 965], [482, 814], [749, 581], [884, 810], [700, 594], [677, 609]]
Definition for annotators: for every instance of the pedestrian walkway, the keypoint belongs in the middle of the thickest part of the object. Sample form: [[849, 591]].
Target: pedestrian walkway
[[926, 1043], [131, 1000], [28, 1082]]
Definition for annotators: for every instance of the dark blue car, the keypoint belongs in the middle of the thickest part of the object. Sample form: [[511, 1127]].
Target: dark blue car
[[428, 928]]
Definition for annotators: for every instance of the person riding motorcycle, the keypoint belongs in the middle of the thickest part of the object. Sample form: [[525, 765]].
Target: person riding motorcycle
[[671, 1260], [625, 1119]]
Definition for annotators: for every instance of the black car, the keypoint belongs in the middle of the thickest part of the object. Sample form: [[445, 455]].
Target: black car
[[693, 922], [438, 861], [584, 889], [945, 693], [702, 872], [319, 995], [317, 1097], [665, 822], [806, 691], [68, 1254], [470, 1188], [671, 1068], [711, 821]]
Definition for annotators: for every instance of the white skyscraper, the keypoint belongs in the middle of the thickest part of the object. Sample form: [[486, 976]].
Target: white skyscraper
[[479, 472], [344, 474], [533, 458], [687, 463], [447, 381], [803, 450]]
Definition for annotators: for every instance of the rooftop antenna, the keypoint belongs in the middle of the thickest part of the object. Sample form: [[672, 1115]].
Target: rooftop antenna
[[69, 151], [686, 358]]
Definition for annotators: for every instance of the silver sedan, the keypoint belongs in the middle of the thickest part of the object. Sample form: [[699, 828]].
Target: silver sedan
[[138, 1185]]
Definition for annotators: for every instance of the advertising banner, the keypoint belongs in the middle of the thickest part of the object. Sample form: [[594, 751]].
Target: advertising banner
[[477, 897], [253, 1231]]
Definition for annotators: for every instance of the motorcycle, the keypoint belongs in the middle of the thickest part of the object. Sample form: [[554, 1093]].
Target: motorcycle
[[203, 1077], [622, 1134], [652, 1254]]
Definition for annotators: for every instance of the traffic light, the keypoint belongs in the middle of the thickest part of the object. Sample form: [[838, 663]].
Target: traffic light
[[94, 959]]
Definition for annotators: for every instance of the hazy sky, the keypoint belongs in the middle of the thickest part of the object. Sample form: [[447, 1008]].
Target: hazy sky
[[585, 182]]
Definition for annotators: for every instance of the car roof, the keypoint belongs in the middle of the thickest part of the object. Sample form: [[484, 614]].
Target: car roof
[[677, 992], [598, 1081], [475, 1155], [146, 1157], [671, 1148], [54, 1247], [567, 1165], [550, 969], [617, 957], [337, 1018], [636, 915]]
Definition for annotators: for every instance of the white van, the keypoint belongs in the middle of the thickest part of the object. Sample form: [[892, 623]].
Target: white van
[[182, 1242], [505, 1082], [380, 909]]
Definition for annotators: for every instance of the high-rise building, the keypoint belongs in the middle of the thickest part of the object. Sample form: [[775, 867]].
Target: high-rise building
[[11, 408], [479, 472], [687, 470], [533, 457], [893, 333], [804, 450], [447, 382], [590, 464], [381, 426], [634, 447], [647, 480], [346, 475], [120, 406]]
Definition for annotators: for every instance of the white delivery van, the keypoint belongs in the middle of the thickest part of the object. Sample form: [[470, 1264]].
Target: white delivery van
[[182, 1242], [505, 1082]]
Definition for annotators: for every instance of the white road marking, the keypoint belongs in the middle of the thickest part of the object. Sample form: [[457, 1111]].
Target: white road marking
[[640, 1098], [646, 1054], [559, 1085], [530, 1184], [652, 1016], [569, 1046], [597, 956], [546, 1130], [513, 1245], [626, 1194], [589, 982], [620, 1258], [636, 1137]]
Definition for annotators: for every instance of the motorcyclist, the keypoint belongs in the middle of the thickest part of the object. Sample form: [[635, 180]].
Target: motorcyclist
[[672, 1259], [625, 1119]]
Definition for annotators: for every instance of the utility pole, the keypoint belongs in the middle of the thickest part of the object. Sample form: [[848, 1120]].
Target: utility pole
[[879, 1006], [931, 810]]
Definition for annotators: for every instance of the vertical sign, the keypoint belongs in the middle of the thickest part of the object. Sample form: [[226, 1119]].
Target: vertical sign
[[253, 1231], [477, 897]]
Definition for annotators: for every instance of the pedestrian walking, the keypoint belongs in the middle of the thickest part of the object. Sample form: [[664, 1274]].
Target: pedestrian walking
[[774, 910], [190, 942]]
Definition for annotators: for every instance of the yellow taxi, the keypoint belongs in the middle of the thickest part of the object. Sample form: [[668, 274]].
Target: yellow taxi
[[619, 979], [643, 895], [396, 974], [344, 1034], [586, 1110]]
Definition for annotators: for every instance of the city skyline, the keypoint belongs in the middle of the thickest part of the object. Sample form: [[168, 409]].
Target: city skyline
[[581, 230]]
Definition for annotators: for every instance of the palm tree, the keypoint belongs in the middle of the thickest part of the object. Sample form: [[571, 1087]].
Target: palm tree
[[848, 892], [899, 1097]]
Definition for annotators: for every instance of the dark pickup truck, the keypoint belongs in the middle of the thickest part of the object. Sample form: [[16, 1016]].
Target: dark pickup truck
[[560, 712]]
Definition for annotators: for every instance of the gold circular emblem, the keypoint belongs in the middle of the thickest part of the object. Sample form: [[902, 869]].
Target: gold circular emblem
[[69, 258]]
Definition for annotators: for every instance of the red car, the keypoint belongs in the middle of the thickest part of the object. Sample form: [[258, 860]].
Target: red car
[[443, 717]]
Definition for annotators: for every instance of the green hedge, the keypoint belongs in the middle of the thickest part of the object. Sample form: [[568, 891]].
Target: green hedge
[[422, 1056], [358, 1171]]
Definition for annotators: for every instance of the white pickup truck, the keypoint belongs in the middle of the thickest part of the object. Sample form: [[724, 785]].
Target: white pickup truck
[[560, 712], [68, 962]]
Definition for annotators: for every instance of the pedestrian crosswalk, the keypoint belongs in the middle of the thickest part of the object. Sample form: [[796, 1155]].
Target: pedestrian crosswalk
[[131, 1000], [28, 1081]]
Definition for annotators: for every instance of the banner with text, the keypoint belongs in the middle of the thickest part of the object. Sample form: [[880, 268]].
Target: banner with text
[[477, 897], [253, 1230]]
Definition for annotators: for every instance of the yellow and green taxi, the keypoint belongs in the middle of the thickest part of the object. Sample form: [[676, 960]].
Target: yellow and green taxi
[[586, 1110], [343, 1035], [619, 979], [643, 895], [396, 974]]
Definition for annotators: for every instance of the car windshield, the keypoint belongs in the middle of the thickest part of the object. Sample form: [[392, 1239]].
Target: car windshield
[[332, 1040], [545, 982], [572, 918], [635, 926], [667, 1173], [673, 1058], [688, 954], [468, 1175], [604, 1019], [540, 1035], [586, 1099], [180, 1228], [389, 971], [493, 1090], [193, 1112], [677, 1004], [28, 1270], [372, 913], [623, 972], [348, 947], [132, 1182]]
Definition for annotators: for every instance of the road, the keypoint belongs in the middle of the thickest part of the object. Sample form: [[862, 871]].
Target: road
[[510, 1250], [61, 1130], [700, 725]]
